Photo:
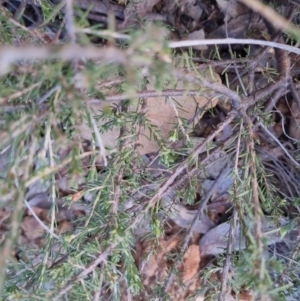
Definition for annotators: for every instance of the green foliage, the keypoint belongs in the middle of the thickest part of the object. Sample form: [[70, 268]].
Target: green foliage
[[41, 108]]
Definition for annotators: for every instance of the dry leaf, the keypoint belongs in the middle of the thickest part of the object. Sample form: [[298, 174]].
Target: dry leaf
[[215, 241], [76, 196], [191, 261], [192, 9], [152, 262], [160, 112], [245, 296], [64, 227], [40, 212], [197, 35], [31, 228], [232, 8], [137, 10], [236, 28]]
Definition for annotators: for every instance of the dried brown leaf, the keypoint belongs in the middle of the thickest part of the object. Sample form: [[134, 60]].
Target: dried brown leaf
[[76, 196], [64, 227], [160, 112], [31, 228], [232, 8], [191, 262]]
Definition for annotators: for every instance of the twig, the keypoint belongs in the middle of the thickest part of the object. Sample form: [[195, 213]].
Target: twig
[[226, 264], [40, 222], [273, 101], [232, 56], [53, 197], [255, 199], [120, 97], [138, 135], [179, 120], [48, 94], [69, 21], [251, 100], [232, 225], [280, 144], [11, 55], [33, 33], [99, 141], [4, 100], [119, 176], [152, 94], [190, 43], [104, 33], [50, 153]]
